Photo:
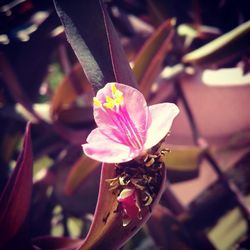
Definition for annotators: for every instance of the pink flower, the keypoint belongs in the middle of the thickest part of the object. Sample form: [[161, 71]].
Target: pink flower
[[127, 199], [127, 127]]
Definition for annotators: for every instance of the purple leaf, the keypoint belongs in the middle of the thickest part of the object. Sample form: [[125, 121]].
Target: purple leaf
[[15, 198], [165, 237], [107, 231], [172, 234], [62, 243], [148, 62], [79, 172], [96, 44], [93, 38]]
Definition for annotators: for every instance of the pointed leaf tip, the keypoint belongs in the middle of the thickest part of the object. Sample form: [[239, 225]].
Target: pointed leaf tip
[[87, 23], [16, 196]]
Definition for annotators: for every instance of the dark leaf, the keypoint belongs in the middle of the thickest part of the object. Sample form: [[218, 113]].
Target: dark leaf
[[31, 72], [170, 233], [95, 42], [107, 232], [76, 115], [15, 199], [9, 144], [182, 162], [56, 243], [66, 93], [15, 88]]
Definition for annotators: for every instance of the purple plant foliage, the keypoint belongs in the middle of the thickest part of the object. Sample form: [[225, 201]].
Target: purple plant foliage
[[48, 78]]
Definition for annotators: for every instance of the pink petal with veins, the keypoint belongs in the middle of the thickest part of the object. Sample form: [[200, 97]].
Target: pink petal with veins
[[162, 116], [104, 149], [127, 126], [134, 103]]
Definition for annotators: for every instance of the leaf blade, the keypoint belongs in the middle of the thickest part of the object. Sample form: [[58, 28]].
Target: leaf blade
[[103, 61], [79, 172], [183, 162], [144, 57], [222, 47], [107, 231], [15, 199], [65, 94], [49, 242]]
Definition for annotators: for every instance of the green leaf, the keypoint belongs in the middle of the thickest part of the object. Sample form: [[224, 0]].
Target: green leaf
[[74, 226], [222, 48], [55, 75], [66, 92], [231, 227], [182, 162]]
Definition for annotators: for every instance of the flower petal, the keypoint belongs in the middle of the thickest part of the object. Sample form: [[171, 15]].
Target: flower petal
[[102, 148], [134, 103], [127, 199], [162, 116]]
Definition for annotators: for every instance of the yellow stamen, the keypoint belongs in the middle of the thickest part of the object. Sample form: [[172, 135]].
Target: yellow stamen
[[113, 89], [119, 99], [117, 94], [96, 102], [110, 103]]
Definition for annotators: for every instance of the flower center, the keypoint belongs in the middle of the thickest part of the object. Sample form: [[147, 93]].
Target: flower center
[[116, 111]]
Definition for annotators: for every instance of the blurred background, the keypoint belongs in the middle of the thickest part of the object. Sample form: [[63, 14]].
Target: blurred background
[[194, 53]]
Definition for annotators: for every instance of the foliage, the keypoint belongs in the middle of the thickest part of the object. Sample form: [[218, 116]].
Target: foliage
[[48, 79]]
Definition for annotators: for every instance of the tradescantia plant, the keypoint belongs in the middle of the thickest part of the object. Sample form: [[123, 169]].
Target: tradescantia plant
[[133, 173], [123, 134], [128, 135], [128, 130]]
